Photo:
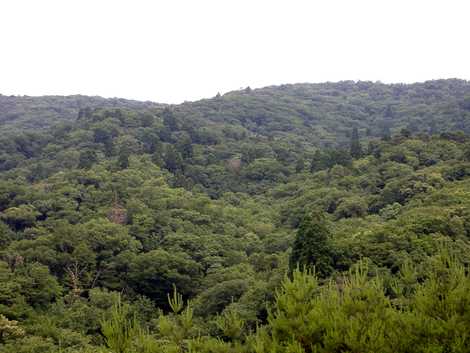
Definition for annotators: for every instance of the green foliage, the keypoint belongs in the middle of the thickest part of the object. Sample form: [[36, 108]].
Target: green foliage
[[20, 217], [311, 248], [103, 217], [176, 301], [356, 149], [155, 273], [19, 113], [354, 314], [119, 330], [231, 324], [9, 329]]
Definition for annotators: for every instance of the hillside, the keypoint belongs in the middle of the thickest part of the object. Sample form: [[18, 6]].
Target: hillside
[[31, 113], [300, 218], [325, 113], [320, 113]]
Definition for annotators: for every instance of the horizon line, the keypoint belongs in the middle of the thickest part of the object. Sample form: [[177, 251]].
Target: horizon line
[[235, 90]]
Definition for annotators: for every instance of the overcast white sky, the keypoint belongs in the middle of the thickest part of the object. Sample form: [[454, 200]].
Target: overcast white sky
[[174, 50]]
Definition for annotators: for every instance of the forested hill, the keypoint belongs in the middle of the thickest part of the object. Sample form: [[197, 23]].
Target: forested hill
[[20, 113], [323, 113], [294, 219], [245, 140]]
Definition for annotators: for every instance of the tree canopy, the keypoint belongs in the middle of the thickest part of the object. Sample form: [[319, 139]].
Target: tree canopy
[[300, 218]]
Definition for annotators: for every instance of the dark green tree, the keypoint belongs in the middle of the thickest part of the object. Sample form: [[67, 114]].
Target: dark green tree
[[406, 133], [356, 148], [185, 146], [169, 120], [123, 158], [317, 162], [173, 160], [87, 159], [386, 134], [466, 152], [337, 156], [105, 136], [85, 113], [300, 165], [157, 158], [389, 113], [147, 119], [312, 246]]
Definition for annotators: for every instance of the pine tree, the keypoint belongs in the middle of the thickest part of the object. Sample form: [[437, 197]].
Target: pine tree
[[119, 330], [386, 134], [169, 120], [173, 160], [87, 159], [356, 149], [389, 114], [312, 246], [466, 152], [405, 132], [316, 163], [123, 158], [185, 147], [299, 165]]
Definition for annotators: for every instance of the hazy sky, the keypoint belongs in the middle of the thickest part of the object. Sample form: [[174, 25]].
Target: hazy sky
[[173, 50]]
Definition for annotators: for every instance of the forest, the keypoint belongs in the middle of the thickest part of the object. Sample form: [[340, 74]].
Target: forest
[[301, 218]]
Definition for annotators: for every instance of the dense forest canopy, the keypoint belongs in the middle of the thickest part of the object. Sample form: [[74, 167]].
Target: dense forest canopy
[[27, 113], [327, 217], [324, 112]]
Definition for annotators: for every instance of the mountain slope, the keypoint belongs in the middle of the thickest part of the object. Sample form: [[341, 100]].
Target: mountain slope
[[30, 113], [104, 216], [323, 114]]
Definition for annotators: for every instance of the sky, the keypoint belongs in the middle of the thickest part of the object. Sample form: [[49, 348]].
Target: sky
[[173, 51]]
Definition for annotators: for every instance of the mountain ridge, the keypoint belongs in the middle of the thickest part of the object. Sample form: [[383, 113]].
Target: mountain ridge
[[299, 100]]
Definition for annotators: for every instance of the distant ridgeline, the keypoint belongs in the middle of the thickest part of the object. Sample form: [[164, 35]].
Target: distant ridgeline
[[25, 113], [301, 218], [242, 141], [326, 111]]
